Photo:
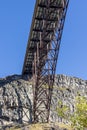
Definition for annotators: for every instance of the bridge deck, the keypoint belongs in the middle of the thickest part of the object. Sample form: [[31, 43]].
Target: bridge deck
[[40, 17]]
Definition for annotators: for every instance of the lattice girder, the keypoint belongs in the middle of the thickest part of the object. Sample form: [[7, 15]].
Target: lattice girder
[[45, 59]]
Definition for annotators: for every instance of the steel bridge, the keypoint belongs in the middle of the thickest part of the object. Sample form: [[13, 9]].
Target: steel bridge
[[42, 53]]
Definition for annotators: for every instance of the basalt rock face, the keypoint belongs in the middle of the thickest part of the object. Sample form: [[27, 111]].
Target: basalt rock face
[[66, 89], [16, 97]]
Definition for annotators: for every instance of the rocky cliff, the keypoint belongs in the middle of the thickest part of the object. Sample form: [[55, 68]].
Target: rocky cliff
[[66, 89], [16, 97]]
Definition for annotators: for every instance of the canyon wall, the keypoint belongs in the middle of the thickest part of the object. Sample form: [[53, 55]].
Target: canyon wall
[[16, 97]]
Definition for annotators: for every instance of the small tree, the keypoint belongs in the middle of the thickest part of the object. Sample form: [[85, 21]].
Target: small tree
[[79, 118], [62, 110]]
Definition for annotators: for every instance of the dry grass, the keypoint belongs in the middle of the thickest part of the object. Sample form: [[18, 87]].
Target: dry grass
[[44, 126], [61, 125]]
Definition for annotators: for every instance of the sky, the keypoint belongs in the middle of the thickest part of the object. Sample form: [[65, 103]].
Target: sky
[[15, 23]]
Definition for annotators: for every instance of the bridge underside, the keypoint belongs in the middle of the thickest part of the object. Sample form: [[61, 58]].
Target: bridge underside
[[42, 52]]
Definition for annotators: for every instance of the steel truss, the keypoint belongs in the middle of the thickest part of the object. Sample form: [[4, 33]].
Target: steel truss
[[46, 55]]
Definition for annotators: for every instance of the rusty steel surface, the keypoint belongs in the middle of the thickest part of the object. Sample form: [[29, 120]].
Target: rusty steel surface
[[42, 53]]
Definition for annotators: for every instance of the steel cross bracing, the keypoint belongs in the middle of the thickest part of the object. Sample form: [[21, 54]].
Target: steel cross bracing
[[42, 52]]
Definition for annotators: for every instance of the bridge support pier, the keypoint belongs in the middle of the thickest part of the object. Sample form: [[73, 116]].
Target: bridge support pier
[[43, 49], [44, 65]]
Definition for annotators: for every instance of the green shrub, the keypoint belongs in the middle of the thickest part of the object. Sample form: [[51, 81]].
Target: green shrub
[[79, 118]]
